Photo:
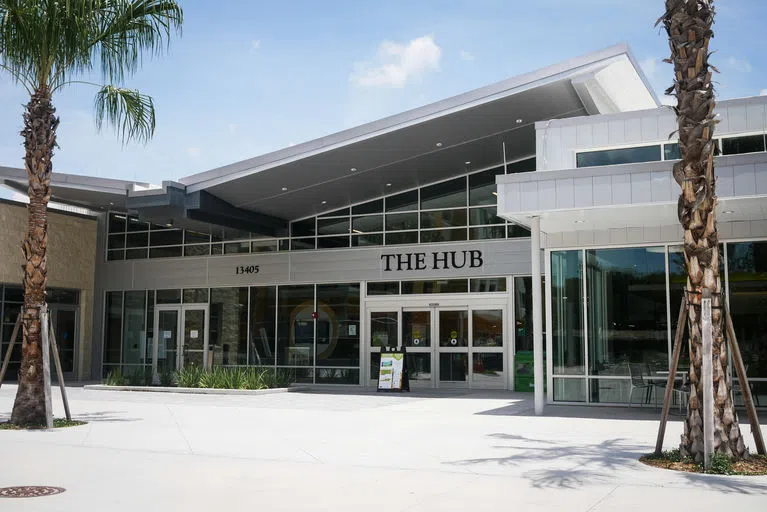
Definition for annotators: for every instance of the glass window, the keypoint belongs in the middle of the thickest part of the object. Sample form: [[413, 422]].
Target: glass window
[[195, 296], [343, 212], [295, 326], [739, 145], [134, 328], [59, 296], [285, 244], [166, 237], [337, 376], [568, 349], [453, 367], [618, 156], [416, 328], [117, 223], [442, 286], [263, 313], [384, 288], [338, 325], [403, 237], [14, 294], [113, 328], [453, 328], [302, 244], [197, 250], [569, 390], [480, 216], [671, 151], [332, 242], [747, 262], [404, 202], [521, 166], [367, 224], [487, 370], [369, 207], [263, 246], [137, 239], [367, 240], [383, 329], [115, 255], [136, 225], [217, 249], [165, 252], [627, 309], [236, 247], [443, 235], [333, 226], [228, 335], [418, 366], [497, 284], [196, 237], [401, 221], [116, 241], [516, 231], [487, 328], [482, 187], [487, 233], [443, 218], [448, 194], [168, 296], [303, 228], [136, 254]]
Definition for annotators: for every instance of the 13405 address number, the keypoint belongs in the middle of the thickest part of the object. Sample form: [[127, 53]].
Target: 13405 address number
[[247, 269]]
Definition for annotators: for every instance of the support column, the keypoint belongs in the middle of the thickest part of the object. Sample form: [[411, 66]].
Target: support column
[[538, 362]]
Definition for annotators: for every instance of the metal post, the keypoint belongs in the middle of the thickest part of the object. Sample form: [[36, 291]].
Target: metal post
[[680, 325], [708, 379], [59, 373], [535, 229], [10, 349], [44, 319]]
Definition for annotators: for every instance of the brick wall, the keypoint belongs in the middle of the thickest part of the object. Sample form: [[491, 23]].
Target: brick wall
[[71, 260]]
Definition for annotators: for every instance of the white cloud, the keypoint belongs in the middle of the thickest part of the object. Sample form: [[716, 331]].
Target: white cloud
[[763, 92], [255, 45], [193, 152], [232, 128], [466, 56], [649, 66], [739, 65], [396, 64]]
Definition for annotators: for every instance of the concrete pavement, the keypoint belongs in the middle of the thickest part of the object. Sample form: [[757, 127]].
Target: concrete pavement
[[351, 450]]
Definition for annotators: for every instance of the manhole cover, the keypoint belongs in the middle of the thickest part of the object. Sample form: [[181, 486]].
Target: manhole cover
[[29, 491]]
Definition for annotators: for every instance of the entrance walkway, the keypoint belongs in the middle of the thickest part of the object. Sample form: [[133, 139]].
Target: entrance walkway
[[349, 451]]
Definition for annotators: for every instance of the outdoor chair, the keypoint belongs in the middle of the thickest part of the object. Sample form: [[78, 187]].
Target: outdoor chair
[[736, 389], [638, 382], [682, 390]]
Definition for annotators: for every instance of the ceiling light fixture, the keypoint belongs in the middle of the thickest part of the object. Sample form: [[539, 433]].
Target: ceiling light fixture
[[353, 169], [439, 144], [727, 212], [284, 189], [580, 221], [519, 121], [388, 184], [467, 162], [495, 194], [324, 202]]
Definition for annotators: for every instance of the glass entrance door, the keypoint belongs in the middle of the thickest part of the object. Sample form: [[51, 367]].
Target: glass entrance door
[[417, 337], [453, 334], [165, 357], [194, 344], [65, 328], [182, 337]]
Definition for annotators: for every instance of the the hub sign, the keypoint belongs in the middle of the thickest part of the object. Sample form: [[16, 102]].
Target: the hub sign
[[442, 260]]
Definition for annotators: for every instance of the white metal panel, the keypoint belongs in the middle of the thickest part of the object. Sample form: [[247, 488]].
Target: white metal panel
[[760, 175], [584, 137], [565, 193], [650, 127], [621, 188], [633, 131], [724, 119], [569, 142], [666, 124], [529, 196], [758, 228], [569, 238], [660, 186], [737, 118], [547, 194], [672, 232], [513, 197], [226, 271], [741, 229], [583, 192], [745, 182], [553, 149], [617, 132], [602, 190], [640, 188], [635, 235], [601, 134], [725, 229], [171, 273], [725, 181], [539, 156], [601, 237], [618, 236], [755, 117], [652, 233], [585, 238]]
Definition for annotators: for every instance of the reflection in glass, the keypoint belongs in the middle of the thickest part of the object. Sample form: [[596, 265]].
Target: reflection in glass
[[375, 206], [569, 390], [384, 288], [453, 328], [440, 286], [113, 330], [263, 311], [627, 309], [480, 216], [448, 194], [453, 367], [168, 296], [367, 224], [482, 185], [134, 334], [487, 369], [337, 376], [403, 237], [443, 235], [416, 328], [228, 338], [195, 296], [487, 233], [167, 341], [383, 329], [66, 331], [497, 284], [367, 240], [618, 156], [487, 328], [443, 218], [332, 242], [162, 252], [338, 322], [295, 326], [401, 221], [194, 337], [568, 350], [418, 366], [406, 201], [615, 391], [332, 226]]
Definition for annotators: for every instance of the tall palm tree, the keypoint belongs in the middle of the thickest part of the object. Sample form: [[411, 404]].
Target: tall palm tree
[[689, 27], [44, 46]]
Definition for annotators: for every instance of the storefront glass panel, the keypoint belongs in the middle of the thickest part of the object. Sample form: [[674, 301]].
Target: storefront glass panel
[[295, 326], [568, 349], [338, 322], [263, 314], [228, 335]]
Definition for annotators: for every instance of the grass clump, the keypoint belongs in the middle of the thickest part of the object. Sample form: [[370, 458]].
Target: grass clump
[[57, 423], [217, 378]]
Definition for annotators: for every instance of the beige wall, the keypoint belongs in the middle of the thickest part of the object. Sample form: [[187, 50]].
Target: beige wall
[[71, 263]]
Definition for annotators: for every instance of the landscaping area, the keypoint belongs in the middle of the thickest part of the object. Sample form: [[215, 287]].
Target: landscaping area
[[217, 378], [57, 423], [720, 465]]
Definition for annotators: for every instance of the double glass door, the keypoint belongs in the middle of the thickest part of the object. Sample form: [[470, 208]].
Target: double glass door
[[181, 337], [447, 346], [64, 320]]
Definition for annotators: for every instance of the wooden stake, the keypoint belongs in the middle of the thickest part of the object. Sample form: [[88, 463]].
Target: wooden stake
[[44, 319], [740, 369], [707, 377], [10, 348], [680, 325], [59, 373]]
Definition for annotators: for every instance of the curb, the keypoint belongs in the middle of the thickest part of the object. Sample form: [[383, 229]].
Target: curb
[[194, 391]]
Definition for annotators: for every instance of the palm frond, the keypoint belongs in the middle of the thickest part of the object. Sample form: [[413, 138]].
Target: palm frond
[[128, 111]]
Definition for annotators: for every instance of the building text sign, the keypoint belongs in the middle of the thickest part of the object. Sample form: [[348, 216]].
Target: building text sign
[[438, 260]]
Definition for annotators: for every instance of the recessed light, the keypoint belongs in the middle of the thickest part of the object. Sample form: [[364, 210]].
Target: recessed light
[[467, 162], [519, 121], [353, 169], [388, 184], [495, 194], [580, 221], [439, 144], [727, 212], [324, 202], [284, 189]]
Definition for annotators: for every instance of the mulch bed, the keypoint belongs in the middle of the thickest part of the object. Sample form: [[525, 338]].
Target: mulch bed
[[57, 423], [755, 465]]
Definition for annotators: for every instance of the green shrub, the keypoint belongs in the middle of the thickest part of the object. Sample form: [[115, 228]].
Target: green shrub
[[167, 379], [189, 377], [115, 378], [254, 378], [720, 465], [139, 377]]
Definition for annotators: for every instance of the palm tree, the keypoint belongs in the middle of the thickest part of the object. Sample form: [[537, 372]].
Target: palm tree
[[689, 27], [44, 46]]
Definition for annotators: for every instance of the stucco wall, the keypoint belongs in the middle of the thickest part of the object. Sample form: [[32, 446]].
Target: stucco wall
[[71, 260]]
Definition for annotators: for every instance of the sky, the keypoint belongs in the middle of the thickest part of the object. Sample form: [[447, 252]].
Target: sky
[[251, 76]]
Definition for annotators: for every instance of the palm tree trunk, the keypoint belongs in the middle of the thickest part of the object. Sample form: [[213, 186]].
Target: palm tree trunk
[[689, 27], [40, 123]]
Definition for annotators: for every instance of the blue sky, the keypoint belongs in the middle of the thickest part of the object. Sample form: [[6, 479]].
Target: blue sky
[[252, 76]]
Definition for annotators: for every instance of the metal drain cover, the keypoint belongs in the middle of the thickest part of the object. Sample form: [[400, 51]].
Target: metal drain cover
[[30, 491]]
